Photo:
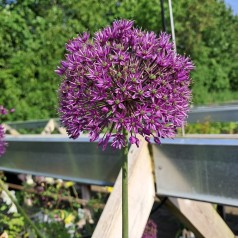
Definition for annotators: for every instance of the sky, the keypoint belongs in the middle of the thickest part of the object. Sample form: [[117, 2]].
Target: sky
[[233, 4]]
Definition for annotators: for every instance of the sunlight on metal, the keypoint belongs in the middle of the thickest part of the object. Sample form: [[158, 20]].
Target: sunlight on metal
[[194, 168], [199, 169], [60, 157], [226, 113]]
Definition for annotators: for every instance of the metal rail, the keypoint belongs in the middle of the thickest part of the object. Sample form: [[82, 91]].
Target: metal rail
[[31, 124], [198, 168], [226, 113], [195, 168], [60, 157]]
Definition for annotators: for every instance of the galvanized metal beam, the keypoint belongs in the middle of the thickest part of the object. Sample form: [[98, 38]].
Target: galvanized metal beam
[[31, 124], [198, 168], [226, 113], [195, 168], [60, 157]]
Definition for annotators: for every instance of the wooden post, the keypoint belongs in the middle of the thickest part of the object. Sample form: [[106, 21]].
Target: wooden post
[[141, 197], [85, 190], [200, 217]]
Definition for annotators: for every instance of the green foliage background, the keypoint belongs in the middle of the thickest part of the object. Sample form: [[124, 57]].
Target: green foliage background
[[33, 34]]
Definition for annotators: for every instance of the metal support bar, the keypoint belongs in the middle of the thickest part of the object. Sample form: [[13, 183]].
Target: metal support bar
[[203, 169], [195, 168]]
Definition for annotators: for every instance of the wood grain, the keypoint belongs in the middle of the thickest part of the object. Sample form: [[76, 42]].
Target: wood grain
[[200, 217], [141, 197]]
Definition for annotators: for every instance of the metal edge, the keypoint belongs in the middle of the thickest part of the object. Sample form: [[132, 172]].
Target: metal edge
[[80, 180]]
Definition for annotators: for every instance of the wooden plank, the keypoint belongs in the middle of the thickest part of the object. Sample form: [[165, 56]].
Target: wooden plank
[[4, 235], [200, 217], [101, 189], [60, 129], [49, 128], [141, 197], [11, 130], [85, 190]]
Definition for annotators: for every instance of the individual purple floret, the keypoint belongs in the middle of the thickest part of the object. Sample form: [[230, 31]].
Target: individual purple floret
[[123, 78], [150, 230], [2, 141]]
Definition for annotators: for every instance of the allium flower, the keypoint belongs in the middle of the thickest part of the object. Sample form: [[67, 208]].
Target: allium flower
[[124, 78], [3, 111]]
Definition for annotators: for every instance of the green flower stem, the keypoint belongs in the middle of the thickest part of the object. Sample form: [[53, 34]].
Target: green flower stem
[[125, 226], [27, 219]]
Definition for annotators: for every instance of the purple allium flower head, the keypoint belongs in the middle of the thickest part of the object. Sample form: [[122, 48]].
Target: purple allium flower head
[[150, 230], [3, 144], [123, 78]]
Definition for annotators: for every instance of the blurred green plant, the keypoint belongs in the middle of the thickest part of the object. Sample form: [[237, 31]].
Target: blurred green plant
[[212, 128], [13, 224], [53, 205]]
